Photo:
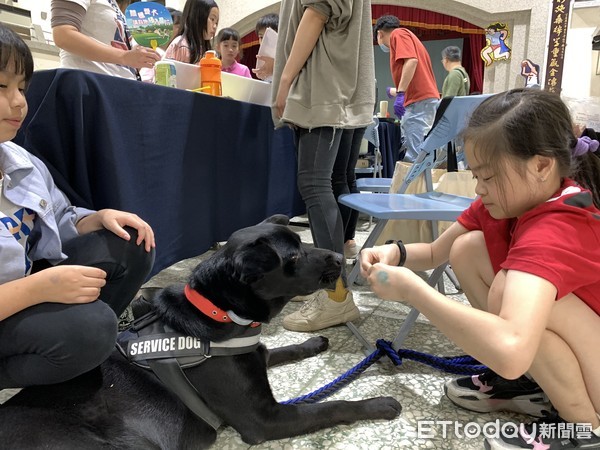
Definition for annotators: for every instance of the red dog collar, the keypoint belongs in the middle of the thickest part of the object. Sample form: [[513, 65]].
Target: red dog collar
[[207, 307]]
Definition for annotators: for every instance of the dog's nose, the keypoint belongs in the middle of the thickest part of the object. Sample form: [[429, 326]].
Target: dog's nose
[[335, 258]]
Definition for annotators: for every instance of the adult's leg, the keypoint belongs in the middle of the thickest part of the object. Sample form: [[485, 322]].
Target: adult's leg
[[416, 122], [566, 365], [317, 150], [54, 342], [127, 265], [344, 176]]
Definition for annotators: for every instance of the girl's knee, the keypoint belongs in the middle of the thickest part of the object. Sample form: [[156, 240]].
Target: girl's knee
[[466, 248]]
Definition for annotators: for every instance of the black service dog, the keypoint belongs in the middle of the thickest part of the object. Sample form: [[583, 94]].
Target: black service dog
[[122, 406]]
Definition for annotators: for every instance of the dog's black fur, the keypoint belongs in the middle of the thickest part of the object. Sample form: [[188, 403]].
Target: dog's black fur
[[121, 406]]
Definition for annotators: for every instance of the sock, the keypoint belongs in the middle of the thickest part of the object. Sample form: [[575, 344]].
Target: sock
[[339, 294]]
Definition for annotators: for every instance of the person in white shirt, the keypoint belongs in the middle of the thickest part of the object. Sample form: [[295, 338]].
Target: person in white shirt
[[93, 36]]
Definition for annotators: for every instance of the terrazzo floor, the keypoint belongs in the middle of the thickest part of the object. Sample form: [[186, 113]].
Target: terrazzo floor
[[428, 419]]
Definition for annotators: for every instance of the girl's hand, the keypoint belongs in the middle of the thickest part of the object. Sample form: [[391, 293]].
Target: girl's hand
[[394, 283], [69, 284], [114, 220], [386, 254], [140, 57]]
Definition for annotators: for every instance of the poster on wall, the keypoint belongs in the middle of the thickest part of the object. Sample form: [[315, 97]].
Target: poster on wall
[[496, 48], [531, 72]]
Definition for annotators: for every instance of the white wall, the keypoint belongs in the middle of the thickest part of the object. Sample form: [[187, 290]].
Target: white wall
[[581, 62]]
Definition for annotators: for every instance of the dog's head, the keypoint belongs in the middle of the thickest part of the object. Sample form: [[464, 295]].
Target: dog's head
[[262, 267]]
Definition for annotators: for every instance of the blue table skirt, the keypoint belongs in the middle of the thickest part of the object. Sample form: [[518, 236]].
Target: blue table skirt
[[195, 167]]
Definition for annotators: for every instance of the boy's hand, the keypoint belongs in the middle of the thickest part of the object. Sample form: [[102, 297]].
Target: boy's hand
[[266, 68], [69, 284], [115, 221]]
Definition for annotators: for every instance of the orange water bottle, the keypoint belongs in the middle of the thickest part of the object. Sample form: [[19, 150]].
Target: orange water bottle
[[210, 73]]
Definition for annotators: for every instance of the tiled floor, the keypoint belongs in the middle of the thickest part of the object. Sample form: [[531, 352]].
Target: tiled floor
[[419, 388]]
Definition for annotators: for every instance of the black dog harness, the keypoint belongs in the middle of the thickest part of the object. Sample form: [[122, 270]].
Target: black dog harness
[[150, 344]]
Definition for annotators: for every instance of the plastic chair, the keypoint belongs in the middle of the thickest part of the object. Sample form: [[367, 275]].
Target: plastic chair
[[374, 184], [450, 119]]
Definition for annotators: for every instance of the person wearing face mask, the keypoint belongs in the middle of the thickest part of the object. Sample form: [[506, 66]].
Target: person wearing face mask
[[415, 90]]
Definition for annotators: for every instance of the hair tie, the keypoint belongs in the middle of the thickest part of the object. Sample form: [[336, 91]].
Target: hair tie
[[585, 144]]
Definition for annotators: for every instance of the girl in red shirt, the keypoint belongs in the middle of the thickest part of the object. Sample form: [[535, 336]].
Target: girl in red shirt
[[527, 255]]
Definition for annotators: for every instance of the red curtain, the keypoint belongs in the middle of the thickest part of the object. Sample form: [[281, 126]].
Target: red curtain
[[249, 50], [431, 26], [427, 25], [472, 62]]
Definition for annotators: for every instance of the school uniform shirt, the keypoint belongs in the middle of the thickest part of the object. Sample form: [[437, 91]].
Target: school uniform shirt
[[404, 44], [558, 241], [40, 217], [104, 22], [336, 86]]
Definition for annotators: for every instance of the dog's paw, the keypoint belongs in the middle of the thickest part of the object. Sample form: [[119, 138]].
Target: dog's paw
[[385, 407], [316, 345]]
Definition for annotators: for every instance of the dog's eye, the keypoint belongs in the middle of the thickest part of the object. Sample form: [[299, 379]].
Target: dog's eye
[[292, 260]]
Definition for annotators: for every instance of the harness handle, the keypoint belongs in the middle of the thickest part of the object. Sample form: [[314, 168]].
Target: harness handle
[[168, 369]]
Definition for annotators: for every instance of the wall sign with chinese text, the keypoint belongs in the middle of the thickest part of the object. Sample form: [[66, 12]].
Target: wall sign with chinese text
[[556, 44]]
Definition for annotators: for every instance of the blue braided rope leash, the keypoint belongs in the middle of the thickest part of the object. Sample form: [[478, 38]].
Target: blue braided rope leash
[[460, 365]]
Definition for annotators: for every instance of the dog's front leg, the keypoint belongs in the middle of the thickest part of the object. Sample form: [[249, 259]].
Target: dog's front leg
[[283, 421], [289, 353]]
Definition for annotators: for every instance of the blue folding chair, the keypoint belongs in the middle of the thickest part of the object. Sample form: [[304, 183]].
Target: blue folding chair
[[374, 184], [372, 136], [449, 121]]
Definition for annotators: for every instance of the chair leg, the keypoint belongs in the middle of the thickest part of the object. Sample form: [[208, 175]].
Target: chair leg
[[452, 276], [367, 348], [413, 315]]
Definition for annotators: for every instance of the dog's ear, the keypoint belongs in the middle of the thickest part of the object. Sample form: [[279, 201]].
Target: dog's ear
[[255, 259], [278, 219]]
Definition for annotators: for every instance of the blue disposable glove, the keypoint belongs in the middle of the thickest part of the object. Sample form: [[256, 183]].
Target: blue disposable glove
[[388, 91], [399, 108]]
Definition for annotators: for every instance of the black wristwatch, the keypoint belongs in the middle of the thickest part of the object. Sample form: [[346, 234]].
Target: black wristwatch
[[402, 249]]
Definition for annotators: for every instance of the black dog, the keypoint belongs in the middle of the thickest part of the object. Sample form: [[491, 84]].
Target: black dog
[[121, 406]]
